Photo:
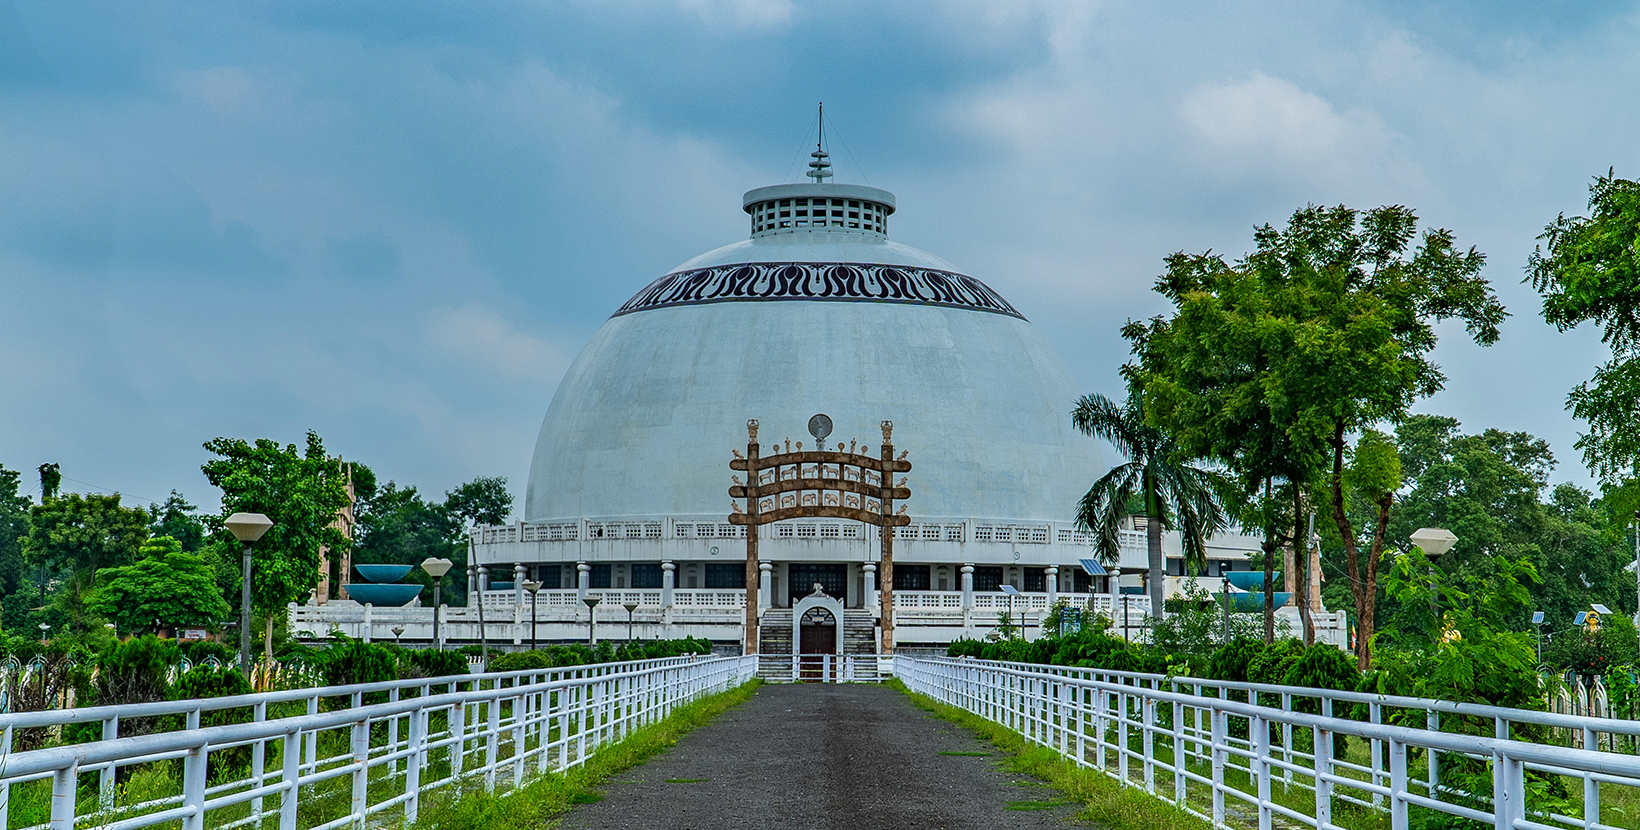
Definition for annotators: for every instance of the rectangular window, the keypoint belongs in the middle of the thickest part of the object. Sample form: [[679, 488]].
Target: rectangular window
[[726, 575], [911, 577], [1081, 582], [988, 578], [599, 578], [1036, 579], [646, 575]]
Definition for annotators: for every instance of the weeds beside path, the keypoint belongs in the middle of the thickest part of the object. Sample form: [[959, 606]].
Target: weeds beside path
[[548, 797]]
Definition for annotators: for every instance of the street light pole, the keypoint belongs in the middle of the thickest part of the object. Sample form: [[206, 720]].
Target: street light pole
[[436, 568], [247, 528], [592, 601], [630, 607], [534, 588]]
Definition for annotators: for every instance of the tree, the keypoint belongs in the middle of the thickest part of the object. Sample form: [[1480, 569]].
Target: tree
[[79, 534], [1174, 495], [1205, 372], [1591, 273], [1372, 477], [51, 478], [167, 587], [179, 520], [14, 510], [483, 500], [302, 492]]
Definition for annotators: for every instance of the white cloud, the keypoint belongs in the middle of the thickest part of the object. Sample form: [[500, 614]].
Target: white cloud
[[1269, 127], [482, 338]]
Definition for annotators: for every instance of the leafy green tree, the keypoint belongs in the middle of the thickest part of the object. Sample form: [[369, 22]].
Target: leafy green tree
[[1206, 372], [484, 500], [1373, 476], [1591, 273], [78, 535], [302, 491], [1174, 494], [168, 587], [51, 480], [14, 511], [179, 520]]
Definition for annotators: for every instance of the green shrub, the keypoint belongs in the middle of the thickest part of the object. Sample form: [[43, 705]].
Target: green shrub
[[1271, 663], [430, 662], [1231, 660]]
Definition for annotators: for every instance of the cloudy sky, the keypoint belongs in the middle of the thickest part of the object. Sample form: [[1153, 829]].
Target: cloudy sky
[[396, 223]]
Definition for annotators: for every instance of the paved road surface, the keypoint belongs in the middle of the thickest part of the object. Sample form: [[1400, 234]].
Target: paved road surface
[[823, 756]]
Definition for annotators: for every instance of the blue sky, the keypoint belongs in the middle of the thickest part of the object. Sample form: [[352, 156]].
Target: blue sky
[[396, 223]]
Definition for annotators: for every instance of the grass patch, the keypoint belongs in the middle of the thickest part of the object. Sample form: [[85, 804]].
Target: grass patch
[[1104, 800], [969, 754], [548, 797]]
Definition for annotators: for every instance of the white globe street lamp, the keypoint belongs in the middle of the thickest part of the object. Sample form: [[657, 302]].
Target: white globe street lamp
[[247, 528]]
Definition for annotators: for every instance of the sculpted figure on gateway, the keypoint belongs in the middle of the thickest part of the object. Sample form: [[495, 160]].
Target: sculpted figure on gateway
[[818, 311]]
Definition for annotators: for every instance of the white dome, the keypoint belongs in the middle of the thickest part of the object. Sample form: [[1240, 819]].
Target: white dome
[[804, 319]]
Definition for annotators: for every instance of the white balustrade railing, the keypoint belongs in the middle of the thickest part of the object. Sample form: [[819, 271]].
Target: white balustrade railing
[[1273, 757], [344, 767]]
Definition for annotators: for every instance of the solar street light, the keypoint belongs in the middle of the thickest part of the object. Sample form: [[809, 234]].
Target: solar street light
[[247, 528]]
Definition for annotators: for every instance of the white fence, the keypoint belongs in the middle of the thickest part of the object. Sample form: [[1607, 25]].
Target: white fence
[[1274, 758], [343, 768]]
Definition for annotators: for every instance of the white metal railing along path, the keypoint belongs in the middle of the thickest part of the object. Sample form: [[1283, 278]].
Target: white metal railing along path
[[501, 727], [1137, 727]]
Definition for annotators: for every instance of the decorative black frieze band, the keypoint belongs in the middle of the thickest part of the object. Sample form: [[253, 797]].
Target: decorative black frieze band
[[834, 281]]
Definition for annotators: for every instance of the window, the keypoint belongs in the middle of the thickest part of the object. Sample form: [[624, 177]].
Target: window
[[911, 577], [599, 578], [646, 575], [988, 578], [1036, 579], [1081, 582], [725, 575]]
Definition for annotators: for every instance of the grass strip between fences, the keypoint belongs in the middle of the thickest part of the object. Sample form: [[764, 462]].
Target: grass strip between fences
[[1105, 802], [547, 797]]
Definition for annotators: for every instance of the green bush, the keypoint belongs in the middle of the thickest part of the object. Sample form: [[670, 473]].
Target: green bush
[[1231, 660], [1271, 663], [430, 662]]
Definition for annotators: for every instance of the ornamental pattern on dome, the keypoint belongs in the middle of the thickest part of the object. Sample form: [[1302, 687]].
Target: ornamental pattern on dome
[[819, 281]]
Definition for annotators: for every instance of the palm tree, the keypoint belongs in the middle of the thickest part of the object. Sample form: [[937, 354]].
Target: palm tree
[[1173, 494]]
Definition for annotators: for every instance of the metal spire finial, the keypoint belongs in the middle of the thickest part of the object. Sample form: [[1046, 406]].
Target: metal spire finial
[[820, 168]]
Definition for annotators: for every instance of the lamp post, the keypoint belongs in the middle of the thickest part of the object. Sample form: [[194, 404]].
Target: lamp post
[[1434, 541], [592, 601], [247, 528], [44, 627], [535, 589], [436, 568], [630, 607], [1012, 592], [398, 631]]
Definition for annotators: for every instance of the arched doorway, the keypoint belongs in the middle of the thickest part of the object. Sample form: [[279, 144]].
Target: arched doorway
[[817, 632]]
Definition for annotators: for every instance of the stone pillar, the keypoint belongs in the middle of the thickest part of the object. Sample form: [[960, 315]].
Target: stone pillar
[[365, 634], [765, 589], [1051, 575], [967, 597], [870, 599], [583, 579], [669, 584], [518, 584], [483, 577]]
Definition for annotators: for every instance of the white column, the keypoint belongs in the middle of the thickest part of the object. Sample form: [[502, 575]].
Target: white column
[[967, 597], [367, 626], [518, 584], [483, 577], [583, 579], [669, 584], [765, 580], [870, 599], [1052, 578]]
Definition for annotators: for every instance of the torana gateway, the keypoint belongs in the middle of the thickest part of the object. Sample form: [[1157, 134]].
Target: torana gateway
[[827, 334]]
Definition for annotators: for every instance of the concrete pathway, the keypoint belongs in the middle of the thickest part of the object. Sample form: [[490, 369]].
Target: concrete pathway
[[825, 756]]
